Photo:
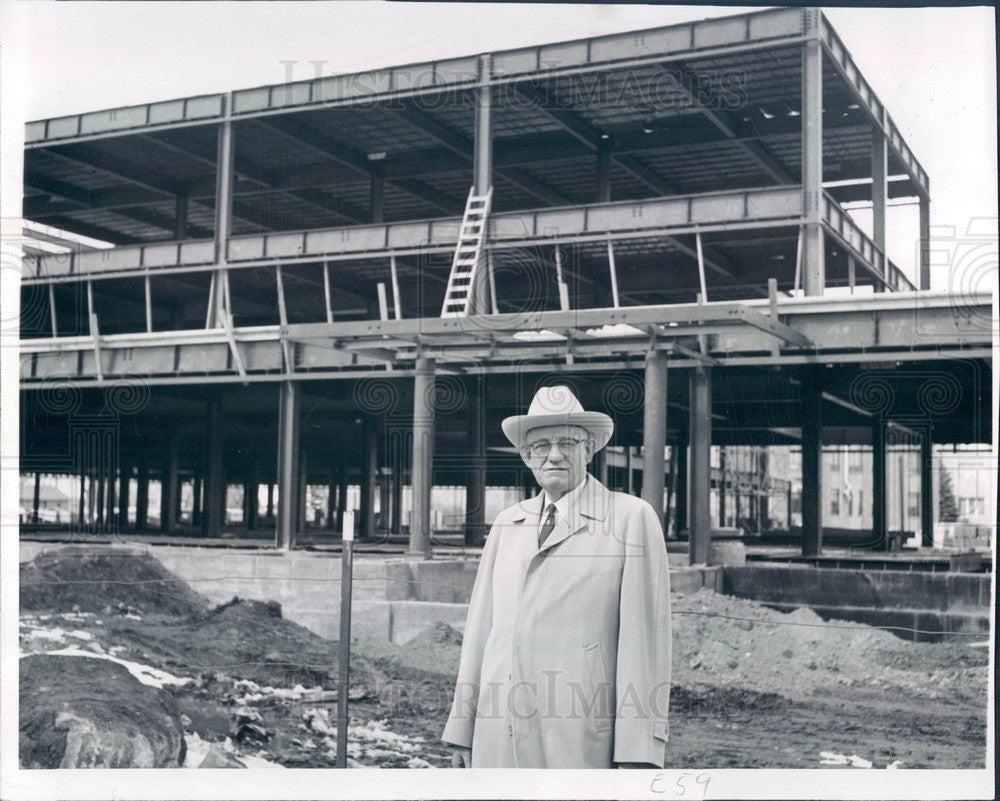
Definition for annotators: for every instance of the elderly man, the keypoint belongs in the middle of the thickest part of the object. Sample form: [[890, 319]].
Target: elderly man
[[566, 653]]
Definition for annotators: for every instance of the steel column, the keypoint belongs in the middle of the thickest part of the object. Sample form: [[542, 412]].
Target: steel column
[[813, 256], [169, 490], [124, 479], [396, 498], [603, 176], [302, 489], [80, 512], [482, 168], [700, 436], [475, 487], [376, 194], [681, 488], [654, 431], [880, 528], [924, 277], [223, 210], [423, 458], [215, 490], [810, 401], [37, 497], [722, 486], [142, 496], [288, 463], [331, 502], [198, 502], [369, 484], [880, 185], [927, 489]]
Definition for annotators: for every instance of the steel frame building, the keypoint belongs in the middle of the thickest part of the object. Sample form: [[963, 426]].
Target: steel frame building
[[659, 199]]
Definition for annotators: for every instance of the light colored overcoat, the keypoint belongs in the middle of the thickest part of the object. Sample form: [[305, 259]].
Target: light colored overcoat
[[566, 651]]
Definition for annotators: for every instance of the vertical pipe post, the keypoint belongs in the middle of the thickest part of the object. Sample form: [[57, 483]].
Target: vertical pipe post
[[288, 463], [344, 645], [331, 501], [81, 508], [423, 458], [149, 306], [851, 273], [37, 497], [924, 278], [700, 437], [927, 489], [701, 268], [475, 487], [326, 292], [812, 454], [654, 430], [394, 276], [369, 485], [629, 475], [813, 255], [302, 489], [880, 528], [168, 521], [124, 492]]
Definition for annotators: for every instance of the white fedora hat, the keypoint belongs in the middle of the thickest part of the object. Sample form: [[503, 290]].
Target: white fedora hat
[[558, 406]]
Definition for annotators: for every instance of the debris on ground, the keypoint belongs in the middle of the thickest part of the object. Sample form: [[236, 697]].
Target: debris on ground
[[93, 713], [752, 687]]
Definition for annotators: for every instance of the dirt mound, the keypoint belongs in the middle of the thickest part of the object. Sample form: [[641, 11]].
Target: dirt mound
[[82, 712], [437, 635], [102, 580]]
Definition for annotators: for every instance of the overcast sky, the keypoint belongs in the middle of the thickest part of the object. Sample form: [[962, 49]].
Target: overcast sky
[[934, 68]]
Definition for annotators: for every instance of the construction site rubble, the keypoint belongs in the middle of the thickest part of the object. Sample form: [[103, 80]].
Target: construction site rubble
[[240, 686]]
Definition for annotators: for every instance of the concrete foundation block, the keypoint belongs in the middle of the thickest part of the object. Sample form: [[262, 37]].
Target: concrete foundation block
[[727, 552]]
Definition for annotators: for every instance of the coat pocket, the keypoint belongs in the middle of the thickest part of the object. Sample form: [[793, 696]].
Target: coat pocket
[[601, 693]]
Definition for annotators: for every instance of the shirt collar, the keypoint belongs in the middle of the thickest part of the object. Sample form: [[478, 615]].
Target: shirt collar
[[567, 501]]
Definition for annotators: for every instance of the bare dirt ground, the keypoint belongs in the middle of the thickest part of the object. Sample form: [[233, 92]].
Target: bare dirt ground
[[752, 687]]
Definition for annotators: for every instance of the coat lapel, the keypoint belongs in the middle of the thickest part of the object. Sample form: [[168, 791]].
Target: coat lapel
[[592, 504]]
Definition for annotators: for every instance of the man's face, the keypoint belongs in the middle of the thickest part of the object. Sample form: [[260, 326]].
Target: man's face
[[558, 471]]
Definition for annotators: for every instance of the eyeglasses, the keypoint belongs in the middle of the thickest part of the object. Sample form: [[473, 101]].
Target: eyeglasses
[[567, 447]]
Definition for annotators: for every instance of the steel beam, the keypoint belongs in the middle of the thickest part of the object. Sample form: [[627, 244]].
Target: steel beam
[[699, 485], [654, 432], [813, 252], [812, 450], [423, 458], [289, 403]]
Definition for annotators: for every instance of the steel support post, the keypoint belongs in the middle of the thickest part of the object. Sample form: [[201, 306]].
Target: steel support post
[[654, 431], [288, 464], [700, 437], [722, 487], [170, 489], [482, 166], [37, 497], [197, 503], [629, 476], [342, 499], [331, 502], [423, 458], [880, 184], [124, 479], [927, 489], [813, 255], [270, 500], [810, 403], [681, 488], [142, 496], [880, 527], [180, 217], [475, 487], [302, 492], [396, 498], [924, 281], [603, 176], [369, 484], [100, 498], [215, 489], [376, 194], [81, 509], [223, 210]]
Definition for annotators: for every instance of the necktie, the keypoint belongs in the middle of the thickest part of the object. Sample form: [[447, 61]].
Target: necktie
[[548, 525]]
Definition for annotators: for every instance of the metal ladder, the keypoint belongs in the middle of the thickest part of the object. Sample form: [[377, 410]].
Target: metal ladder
[[458, 294]]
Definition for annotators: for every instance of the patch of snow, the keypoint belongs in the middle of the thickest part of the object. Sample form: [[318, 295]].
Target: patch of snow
[[197, 750], [616, 330], [417, 762], [538, 336], [154, 677], [830, 758], [80, 634], [130, 616], [56, 634], [257, 761]]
